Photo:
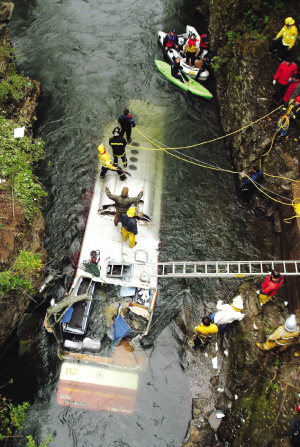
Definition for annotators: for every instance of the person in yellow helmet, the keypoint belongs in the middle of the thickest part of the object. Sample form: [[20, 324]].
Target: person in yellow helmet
[[104, 157], [282, 337], [206, 332], [129, 226], [288, 34]]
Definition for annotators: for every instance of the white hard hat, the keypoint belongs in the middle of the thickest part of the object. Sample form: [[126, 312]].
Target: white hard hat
[[238, 302], [291, 323]]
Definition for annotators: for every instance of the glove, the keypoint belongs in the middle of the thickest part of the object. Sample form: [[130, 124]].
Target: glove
[[274, 82], [294, 116]]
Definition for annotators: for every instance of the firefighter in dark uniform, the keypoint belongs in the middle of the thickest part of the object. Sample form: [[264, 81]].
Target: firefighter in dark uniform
[[118, 145]]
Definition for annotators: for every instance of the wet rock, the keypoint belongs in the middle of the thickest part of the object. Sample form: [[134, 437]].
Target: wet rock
[[6, 10]]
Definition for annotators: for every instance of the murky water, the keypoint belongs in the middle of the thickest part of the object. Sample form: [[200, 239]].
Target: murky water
[[93, 59]]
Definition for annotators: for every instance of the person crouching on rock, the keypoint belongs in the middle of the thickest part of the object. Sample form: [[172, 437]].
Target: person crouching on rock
[[282, 337], [129, 226], [269, 287], [227, 313], [205, 333]]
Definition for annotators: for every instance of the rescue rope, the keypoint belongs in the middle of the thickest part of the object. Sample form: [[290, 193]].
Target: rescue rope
[[281, 126], [215, 168], [90, 268], [205, 142]]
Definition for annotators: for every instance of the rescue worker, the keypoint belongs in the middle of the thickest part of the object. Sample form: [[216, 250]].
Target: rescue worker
[[129, 226], [206, 63], [126, 123], [205, 333], [170, 41], [122, 202], [289, 35], [294, 83], [176, 71], [227, 313], [284, 73], [269, 287], [247, 187], [118, 145], [104, 157], [282, 337], [292, 108], [191, 48], [204, 42]]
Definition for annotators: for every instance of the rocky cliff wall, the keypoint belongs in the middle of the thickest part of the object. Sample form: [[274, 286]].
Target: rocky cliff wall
[[256, 391], [16, 233]]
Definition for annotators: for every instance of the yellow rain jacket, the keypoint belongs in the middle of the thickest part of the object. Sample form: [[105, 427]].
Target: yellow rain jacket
[[206, 333], [281, 337], [288, 35], [106, 161]]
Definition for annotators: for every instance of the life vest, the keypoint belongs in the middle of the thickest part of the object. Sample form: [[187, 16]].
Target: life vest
[[171, 40], [205, 41], [191, 45]]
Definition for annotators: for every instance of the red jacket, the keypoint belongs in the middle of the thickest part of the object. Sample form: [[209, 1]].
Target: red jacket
[[270, 287], [285, 72], [290, 90]]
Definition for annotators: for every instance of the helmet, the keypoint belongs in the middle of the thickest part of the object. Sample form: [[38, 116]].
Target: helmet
[[180, 41], [131, 212], [297, 98], [173, 31], [101, 149], [193, 35], [290, 21], [116, 131], [238, 302], [290, 324]]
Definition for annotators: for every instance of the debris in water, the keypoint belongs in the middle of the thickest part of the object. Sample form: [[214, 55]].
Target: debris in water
[[206, 355], [219, 414], [286, 303], [254, 325], [216, 346], [215, 362], [221, 390], [226, 353], [236, 396], [19, 132]]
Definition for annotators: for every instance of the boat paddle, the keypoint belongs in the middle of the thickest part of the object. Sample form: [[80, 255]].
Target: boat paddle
[[187, 85]]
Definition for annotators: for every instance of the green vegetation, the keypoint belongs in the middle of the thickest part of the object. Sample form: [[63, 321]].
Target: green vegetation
[[22, 273], [13, 88], [16, 158], [12, 418]]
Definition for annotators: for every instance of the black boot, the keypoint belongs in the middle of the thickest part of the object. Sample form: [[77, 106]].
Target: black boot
[[123, 177]]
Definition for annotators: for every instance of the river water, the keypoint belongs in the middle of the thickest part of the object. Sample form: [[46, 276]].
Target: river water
[[93, 59]]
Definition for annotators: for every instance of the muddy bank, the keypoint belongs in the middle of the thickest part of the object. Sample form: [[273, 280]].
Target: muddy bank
[[18, 105]]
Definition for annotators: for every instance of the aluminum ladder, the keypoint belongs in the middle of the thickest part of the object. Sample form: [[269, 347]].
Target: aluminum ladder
[[219, 269]]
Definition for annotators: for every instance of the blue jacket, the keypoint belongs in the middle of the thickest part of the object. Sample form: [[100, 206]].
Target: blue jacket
[[126, 121], [129, 223], [255, 176]]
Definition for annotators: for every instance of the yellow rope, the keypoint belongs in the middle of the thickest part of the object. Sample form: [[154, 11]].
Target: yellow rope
[[297, 210], [281, 126], [211, 167], [204, 142]]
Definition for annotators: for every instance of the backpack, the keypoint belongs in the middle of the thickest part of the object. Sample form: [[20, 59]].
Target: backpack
[[295, 433]]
